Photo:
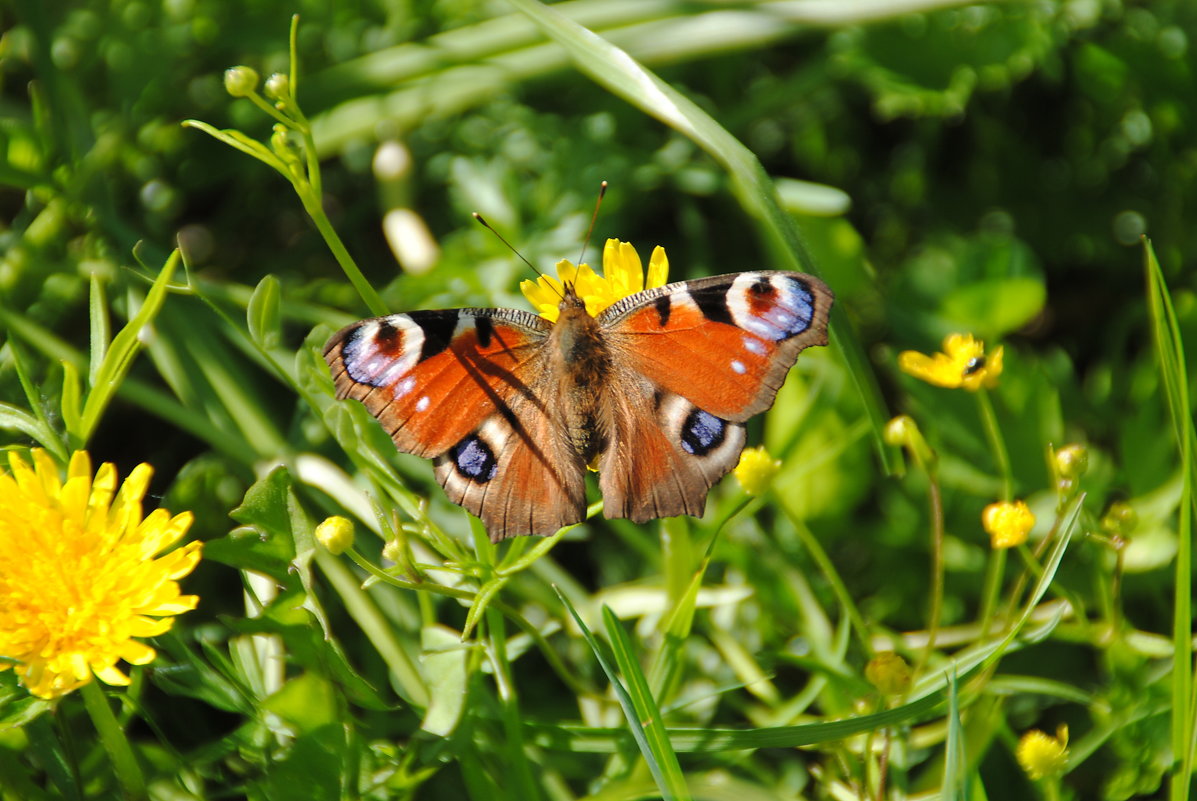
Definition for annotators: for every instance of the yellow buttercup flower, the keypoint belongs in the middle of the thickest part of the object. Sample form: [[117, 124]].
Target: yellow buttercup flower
[[623, 275], [963, 363], [1007, 523], [1042, 755], [78, 574], [756, 469], [889, 673]]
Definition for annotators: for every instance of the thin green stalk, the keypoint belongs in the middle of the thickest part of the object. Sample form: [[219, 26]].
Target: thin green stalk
[[824, 563], [994, 570], [935, 498], [113, 738], [996, 442], [525, 785], [996, 567], [316, 211]]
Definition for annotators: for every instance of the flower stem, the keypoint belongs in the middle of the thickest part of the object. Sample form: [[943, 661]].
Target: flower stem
[[997, 556], [996, 443], [124, 763], [315, 210], [937, 535]]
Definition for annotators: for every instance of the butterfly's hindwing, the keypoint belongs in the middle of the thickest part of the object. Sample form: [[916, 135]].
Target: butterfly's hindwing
[[665, 454], [725, 343]]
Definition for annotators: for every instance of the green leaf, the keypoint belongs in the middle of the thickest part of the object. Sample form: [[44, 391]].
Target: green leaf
[[996, 307], [72, 418], [264, 313], [445, 669]]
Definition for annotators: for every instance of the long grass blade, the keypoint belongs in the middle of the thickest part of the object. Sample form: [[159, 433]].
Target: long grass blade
[[1174, 374], [636, 723]]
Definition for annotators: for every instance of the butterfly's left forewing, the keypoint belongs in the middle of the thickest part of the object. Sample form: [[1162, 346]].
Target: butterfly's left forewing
[[464, 387]]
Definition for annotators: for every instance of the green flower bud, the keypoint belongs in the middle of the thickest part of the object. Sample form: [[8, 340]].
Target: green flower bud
[[278, 87], [240, 81]]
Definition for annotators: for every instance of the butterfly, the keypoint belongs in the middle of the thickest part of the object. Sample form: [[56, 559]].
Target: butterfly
[[512, 408]]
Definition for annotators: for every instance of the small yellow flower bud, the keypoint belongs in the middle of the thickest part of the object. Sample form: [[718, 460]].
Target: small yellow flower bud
[[240, 81], [889, 673], [756, 470], [1072, 461], [392, 551], [278, 87], [1120, 519], [903, 432], [335, 534], [899, 430], [1007, 523], [1042, 755]]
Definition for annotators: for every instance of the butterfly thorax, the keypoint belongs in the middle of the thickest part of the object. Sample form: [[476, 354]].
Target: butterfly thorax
[[583, 365]]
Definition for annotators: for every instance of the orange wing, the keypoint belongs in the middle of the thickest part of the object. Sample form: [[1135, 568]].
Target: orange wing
[[723, 343], [432, 377], [468, 388]]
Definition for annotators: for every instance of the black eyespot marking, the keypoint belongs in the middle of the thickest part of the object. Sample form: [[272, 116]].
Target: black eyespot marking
[[386, 337], [438, 333], [702, 432], [664, 306], [485, 330], [762, 287], [473, 459], [713, 305], [975, 365]]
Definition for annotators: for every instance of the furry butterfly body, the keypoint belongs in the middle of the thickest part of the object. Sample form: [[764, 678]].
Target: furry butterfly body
[[512, 407]]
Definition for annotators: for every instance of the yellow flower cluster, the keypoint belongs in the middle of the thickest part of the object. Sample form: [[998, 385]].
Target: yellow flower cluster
[[1042, 755], [756, 469], [623, 275], [78, 574], [1007, 523]]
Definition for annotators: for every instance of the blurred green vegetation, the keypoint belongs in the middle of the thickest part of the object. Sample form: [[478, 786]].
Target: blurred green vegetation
[[986, 168]]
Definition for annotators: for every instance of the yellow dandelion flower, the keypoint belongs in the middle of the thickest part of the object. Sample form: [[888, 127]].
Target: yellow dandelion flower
[[78, 577], [756, 470], [1007, 523], [963, 363], [1042, 755], [623, 276]]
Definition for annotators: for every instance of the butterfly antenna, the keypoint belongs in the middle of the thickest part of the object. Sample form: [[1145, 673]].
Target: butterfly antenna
[[593, 217], [482, 221]]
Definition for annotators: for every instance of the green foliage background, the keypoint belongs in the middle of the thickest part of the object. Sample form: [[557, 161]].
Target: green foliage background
[[984, 168]]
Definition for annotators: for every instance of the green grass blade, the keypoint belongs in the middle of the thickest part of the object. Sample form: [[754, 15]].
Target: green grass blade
[[1170, 350], [101, 329], [954, 747], [619, 73], [125, 346], [635, 726], [648, 713]]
